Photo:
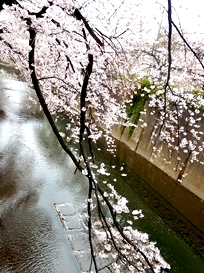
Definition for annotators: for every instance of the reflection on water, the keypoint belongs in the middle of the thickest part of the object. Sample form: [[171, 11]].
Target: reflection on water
[[34, 174]]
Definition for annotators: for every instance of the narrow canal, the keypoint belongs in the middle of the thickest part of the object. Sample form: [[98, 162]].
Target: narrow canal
[[34, 174]]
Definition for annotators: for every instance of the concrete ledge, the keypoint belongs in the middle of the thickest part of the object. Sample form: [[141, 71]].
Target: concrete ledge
[[178, 196]]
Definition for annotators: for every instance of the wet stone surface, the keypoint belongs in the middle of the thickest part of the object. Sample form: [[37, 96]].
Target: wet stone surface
[[77, 235]]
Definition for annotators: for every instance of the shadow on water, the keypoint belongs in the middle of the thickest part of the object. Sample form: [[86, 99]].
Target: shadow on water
[[34, 174]]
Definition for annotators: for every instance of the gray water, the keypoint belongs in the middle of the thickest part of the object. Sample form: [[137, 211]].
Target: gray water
[[34, 174]]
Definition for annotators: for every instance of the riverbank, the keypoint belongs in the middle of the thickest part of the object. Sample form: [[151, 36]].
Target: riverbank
[[178, 204]]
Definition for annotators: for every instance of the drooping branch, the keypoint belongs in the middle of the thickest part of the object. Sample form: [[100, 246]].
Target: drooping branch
[[42, 100], [83, 96], [89, 175], [107, 229], [169, 44], [79, 17], [186, 43], [180, 33], [169, 54], [120, 230], [92, 185]]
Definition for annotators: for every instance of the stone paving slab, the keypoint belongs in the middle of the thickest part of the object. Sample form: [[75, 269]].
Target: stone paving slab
[[77, 235]]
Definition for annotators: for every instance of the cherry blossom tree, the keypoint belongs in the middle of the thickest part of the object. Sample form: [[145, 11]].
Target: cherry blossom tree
[[173, 68], [180, 111], [81, 61]]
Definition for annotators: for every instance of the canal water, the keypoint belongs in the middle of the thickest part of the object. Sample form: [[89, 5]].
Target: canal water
[[34, 174]]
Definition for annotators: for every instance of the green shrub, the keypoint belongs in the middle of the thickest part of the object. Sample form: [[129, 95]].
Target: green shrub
[[198, 92], [136, 106]]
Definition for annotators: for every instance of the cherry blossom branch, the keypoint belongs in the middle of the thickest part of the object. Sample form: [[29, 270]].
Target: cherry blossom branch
[[57, 78], [89, 174], [119, 228], [82, 151], [83, 96], [169, 52], [42, 100], [79, 17], [185, 41], [107, 229]]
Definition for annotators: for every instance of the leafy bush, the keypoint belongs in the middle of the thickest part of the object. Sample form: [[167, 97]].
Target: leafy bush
[[136, 106]]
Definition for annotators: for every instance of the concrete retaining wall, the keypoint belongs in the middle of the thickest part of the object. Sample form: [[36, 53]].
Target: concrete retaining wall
[[138, 153]]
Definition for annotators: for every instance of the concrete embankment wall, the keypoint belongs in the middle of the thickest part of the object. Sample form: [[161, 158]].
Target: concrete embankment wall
[[163, 172]]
